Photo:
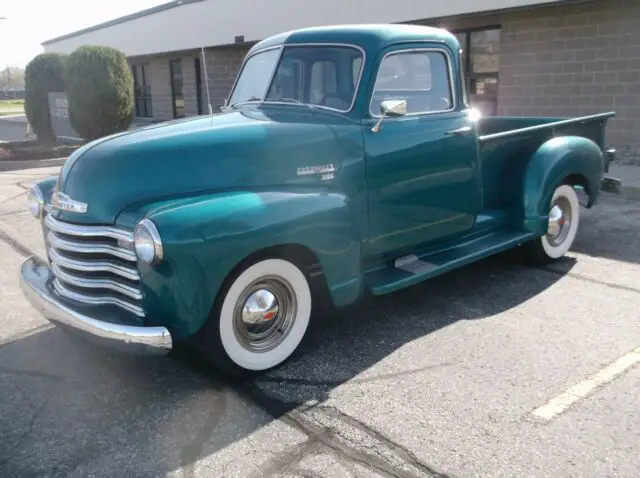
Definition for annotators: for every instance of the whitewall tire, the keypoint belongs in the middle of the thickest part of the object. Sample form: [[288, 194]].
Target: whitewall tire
[[564, 219], [261, 319]]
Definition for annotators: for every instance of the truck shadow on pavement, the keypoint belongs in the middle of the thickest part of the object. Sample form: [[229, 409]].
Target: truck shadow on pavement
[[610, 230], [68, 408]]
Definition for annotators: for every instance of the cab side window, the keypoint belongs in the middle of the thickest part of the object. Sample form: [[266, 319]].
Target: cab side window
[[420, 77]]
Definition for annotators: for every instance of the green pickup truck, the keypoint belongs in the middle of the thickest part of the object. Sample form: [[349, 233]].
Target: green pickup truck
[[346, 161]]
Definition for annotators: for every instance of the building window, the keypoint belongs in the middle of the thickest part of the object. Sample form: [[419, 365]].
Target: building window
[[482, 67], [177, 95], [142, 90]]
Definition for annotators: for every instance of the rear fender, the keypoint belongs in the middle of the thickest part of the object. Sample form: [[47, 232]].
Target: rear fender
[[556, 161], [204, 239]]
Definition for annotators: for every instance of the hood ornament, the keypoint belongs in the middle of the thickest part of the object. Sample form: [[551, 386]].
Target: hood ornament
[[63, 202]]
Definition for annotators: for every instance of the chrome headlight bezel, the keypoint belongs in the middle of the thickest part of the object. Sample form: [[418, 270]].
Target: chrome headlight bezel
[[35, 201], [147, 242]]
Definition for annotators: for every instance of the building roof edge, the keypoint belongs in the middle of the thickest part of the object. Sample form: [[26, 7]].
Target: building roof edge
[[123, 19]]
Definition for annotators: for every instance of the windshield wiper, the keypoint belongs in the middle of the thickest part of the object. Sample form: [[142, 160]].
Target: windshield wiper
[[250, 100], [298, 102]]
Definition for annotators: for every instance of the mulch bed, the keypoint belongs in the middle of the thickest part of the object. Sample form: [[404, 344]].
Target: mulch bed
[[33, 150]]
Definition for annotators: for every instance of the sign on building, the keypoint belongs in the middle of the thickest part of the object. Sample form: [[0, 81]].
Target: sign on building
[[59, 114]]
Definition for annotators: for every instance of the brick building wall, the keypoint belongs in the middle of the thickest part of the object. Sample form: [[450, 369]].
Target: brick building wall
[[223, 65], [575, 60]]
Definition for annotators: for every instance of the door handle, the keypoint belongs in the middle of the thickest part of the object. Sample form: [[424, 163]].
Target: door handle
[[463, 130]]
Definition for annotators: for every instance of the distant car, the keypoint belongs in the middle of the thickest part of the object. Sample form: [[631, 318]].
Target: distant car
[[347, 162]]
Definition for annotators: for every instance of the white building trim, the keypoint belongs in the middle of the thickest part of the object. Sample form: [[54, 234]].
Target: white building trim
[[189, 24]]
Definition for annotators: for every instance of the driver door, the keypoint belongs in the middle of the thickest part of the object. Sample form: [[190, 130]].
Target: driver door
[[422, 166]]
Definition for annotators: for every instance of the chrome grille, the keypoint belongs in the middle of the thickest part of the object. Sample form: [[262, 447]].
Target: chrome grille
[[94, 265]]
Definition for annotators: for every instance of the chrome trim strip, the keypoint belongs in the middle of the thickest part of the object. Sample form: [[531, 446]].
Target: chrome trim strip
[[90, 248], [34, 280], [540, 127], [283, 47], [88, 231], [96, 300], [93, 266], [463, 79], [87, 283], [454, 96]]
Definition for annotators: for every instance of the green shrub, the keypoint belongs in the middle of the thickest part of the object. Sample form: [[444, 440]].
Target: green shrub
[[44, 74], [100, 91]]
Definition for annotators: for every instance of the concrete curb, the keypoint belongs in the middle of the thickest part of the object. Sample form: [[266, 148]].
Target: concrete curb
[[30, 164]]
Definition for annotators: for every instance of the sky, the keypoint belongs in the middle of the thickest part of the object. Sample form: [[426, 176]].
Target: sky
[[30, 22]]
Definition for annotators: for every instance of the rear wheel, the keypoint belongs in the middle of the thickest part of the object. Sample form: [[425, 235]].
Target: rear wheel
[[260, 318], [564, 218]]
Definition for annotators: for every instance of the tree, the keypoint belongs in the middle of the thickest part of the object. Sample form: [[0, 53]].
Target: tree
[[12, 77], [100, 91], [43, 75]]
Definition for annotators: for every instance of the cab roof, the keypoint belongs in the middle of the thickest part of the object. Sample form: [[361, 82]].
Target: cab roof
[[370, 37]]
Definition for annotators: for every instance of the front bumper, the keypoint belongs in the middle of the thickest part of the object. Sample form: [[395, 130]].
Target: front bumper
[[34, 279]]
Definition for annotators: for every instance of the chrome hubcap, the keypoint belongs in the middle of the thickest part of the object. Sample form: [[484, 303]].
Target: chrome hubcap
[[260, 307], [264, 314], [559, 221]]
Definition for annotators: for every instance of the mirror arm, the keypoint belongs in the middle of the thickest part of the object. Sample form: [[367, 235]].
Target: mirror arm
[[376, 128]]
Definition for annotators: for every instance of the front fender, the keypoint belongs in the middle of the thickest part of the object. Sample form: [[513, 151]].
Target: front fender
[[555, 161], [46, 186], [205, 238]]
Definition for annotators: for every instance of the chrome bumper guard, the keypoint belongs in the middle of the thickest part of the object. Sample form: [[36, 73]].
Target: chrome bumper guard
[[35, 277], [609, 183]]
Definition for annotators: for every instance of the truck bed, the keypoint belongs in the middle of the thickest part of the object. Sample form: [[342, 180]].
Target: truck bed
[[506, 143]]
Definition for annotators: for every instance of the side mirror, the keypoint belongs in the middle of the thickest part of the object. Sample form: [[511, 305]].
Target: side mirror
[[393, 107], [390, 108]]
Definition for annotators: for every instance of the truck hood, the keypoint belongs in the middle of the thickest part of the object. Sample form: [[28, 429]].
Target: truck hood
[[250, 149]]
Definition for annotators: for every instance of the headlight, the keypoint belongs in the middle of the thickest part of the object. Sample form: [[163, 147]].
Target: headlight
[[147, 242], [35, 200]]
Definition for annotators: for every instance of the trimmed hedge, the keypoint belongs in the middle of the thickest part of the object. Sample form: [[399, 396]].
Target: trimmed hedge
[[100, 91], [44, 74]]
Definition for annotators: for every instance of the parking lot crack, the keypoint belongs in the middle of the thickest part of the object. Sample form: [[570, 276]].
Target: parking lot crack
[[30, 427], [287, 461], [383, 442], [13, 197], [31, 373], [577, 276], [354, 381], [313, 420], [191, 452], [15, 244], [25, 334]]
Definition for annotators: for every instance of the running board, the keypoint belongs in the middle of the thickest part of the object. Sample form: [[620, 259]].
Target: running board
[[412, 269]]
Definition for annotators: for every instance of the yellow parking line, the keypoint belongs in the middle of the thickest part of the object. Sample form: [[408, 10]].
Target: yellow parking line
[[563, 401]]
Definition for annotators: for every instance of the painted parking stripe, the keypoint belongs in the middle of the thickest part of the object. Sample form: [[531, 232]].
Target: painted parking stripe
[[563, 401]]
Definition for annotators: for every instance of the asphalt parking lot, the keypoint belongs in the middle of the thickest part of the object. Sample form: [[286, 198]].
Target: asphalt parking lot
[[493, 370]]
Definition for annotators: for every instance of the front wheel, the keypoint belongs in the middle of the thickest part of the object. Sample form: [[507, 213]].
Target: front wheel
[[564, 218], [261, 318]]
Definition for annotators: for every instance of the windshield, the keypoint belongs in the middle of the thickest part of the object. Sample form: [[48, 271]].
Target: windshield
[[315, 75]]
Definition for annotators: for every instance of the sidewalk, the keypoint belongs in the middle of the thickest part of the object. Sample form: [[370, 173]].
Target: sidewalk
[[630, 177], [15, 118]]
